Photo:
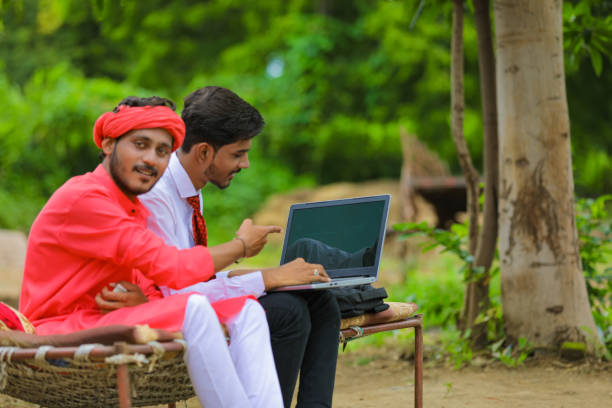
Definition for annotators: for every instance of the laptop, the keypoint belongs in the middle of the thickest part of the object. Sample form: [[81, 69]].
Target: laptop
[[345, 236]]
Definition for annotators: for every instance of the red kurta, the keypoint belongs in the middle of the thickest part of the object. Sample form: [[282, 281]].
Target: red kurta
[[90, 234]]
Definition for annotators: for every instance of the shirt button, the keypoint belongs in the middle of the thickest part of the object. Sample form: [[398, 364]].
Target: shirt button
[[133, 211]]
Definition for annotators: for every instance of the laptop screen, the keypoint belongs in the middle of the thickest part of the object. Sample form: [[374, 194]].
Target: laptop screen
[[345, 236]]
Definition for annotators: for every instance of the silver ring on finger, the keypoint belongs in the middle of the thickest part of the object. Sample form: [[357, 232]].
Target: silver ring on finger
[[316, 272]]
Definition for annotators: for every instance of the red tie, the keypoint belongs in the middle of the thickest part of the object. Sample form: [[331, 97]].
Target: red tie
[[197, 221]]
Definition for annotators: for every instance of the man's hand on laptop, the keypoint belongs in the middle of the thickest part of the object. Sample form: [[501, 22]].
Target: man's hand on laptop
[[254, 237], [123, 294], [296, 272]]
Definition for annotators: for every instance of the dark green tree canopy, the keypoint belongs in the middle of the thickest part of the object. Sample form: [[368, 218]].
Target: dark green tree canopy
[[334, 80]]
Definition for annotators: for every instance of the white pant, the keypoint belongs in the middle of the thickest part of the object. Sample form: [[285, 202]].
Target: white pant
[[241, 375]]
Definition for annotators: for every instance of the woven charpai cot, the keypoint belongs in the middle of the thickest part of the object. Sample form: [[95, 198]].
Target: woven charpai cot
[[89, 379], [85, 369]]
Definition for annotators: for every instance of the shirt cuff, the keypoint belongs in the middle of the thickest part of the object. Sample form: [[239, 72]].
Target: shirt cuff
[[256, 279], [222, 274]]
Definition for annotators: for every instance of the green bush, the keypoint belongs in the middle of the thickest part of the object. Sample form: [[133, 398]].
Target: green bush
[[595, 234], [46, 136]]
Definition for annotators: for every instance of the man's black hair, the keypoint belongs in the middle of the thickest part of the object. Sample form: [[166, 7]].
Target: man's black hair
[[136, 101], [150, 101], [218, 116]]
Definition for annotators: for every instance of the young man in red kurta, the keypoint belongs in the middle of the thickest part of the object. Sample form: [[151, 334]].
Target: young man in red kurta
[[92, 232]]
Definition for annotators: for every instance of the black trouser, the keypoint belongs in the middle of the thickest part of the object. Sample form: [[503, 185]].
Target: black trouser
[[304, 330]]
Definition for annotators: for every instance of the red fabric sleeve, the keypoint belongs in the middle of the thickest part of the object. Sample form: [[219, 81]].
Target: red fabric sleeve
[[97, 227]]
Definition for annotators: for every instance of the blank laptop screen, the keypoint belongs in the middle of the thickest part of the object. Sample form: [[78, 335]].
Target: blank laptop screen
[[344, 235]]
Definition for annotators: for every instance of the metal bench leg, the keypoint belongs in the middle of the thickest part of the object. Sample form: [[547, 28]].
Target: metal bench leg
[[418, 365]]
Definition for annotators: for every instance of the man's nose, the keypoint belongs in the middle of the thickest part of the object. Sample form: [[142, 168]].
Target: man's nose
[[151, 157], [244, 163]]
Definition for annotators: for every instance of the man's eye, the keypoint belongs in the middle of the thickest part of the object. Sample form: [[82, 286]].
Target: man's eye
[[163, 152], [139, 144]]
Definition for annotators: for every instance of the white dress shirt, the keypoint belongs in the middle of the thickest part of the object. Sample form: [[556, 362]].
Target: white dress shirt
[[171, 219], [171, 214]]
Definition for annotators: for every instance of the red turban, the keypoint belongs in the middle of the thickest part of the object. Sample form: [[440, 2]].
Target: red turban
[[116, 124]]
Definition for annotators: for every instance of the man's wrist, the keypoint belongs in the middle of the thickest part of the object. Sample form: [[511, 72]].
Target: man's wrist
[[244, 248], [270, 278]]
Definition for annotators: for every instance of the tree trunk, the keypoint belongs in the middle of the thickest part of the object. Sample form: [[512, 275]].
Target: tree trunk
[[473, 299], [477, 292], [543, 290], [457, 105], [470, 301]]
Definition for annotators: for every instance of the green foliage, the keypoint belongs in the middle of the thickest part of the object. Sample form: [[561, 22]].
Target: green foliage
[[439, 293], [493, 316], [457, 345], [349, 73], [334, 79], [509, 357], [587, 33], [594, 225], [46, 136], [588, 49], [454, 240]]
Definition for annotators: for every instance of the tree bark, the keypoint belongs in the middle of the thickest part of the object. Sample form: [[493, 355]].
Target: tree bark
[[543, 290], [457, 104], [487, 241], [473, 299], [477, 292]]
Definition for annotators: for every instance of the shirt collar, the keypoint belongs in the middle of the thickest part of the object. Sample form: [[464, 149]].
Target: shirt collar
[[133, 208], [181, 178]]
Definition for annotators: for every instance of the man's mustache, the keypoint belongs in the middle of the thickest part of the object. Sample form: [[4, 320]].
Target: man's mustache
[[146, 169]]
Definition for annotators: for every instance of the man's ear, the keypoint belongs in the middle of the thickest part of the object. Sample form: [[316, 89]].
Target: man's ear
[[204, 152], [108, 143]]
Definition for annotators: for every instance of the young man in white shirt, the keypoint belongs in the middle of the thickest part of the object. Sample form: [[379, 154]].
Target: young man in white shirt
[[304, 326]]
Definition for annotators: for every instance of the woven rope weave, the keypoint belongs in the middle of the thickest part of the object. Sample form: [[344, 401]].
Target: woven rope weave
[[160, 378]]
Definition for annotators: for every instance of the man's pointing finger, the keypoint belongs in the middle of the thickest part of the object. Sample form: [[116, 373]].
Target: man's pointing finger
[[273, 228]]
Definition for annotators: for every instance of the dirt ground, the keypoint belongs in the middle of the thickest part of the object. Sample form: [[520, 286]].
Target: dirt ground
[[388, 382], [374, 378]]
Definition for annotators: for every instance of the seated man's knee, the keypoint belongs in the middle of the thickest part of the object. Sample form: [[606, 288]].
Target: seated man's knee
[[199, 305], [251, 315], [199, 313], [286, 312]]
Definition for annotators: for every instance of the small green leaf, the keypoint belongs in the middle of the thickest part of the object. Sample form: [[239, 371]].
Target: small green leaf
[[596, 61], [582, 9], [495, 346]]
